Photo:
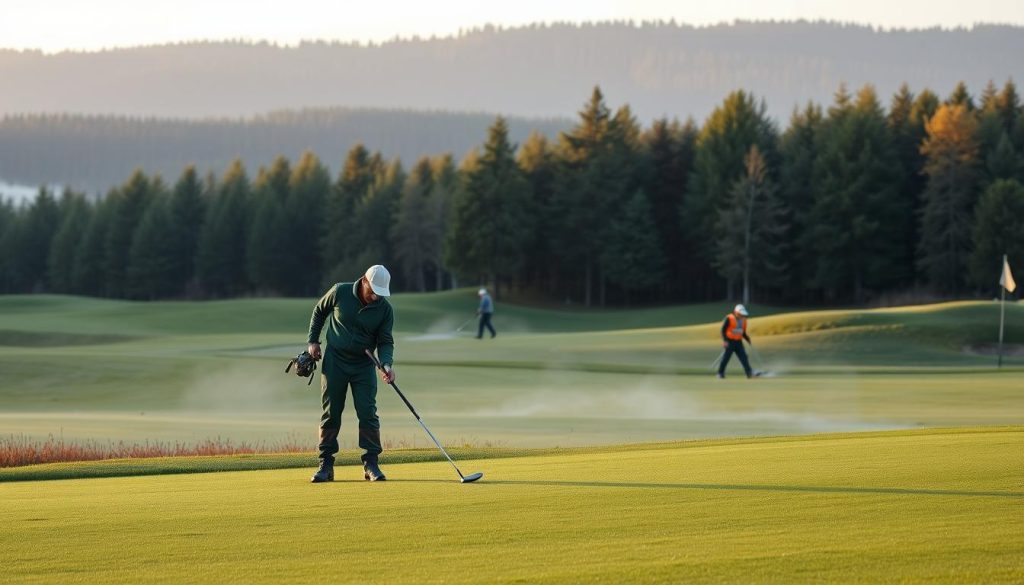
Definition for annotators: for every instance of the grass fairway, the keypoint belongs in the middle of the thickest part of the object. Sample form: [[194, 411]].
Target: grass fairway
[[909, 506], [89, 369]]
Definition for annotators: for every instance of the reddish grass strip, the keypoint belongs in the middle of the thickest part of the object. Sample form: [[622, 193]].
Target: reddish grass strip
[[16, 451]]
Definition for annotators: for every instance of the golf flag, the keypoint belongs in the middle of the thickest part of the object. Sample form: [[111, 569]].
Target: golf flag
[[1006, 278]]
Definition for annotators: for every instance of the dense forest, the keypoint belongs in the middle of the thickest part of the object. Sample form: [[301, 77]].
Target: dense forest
[[92, 152], [662, 69], [848, 202]]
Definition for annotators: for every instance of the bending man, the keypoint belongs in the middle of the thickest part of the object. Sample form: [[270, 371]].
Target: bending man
[[358, 317]]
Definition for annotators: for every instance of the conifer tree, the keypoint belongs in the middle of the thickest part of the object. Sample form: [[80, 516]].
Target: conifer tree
[[750, 246], [186, 214], [669, 149], [733, 127], [633, 258], [998, 229], [855, 220], [220, 260], [488, 238], [126, 205], [536, 158], [951, 149], [416, 228], [269, 265], [309, 186], [151, 272], [76, 213], [799, 151]]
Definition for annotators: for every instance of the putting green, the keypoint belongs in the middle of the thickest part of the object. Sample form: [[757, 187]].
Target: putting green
[[917, 506]]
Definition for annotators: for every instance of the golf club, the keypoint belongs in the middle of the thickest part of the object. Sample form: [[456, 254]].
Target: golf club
[[717, 361], [463, 326], [760, 362], [465, 478]]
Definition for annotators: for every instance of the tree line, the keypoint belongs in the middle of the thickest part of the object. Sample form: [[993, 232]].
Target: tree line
[[844, 204]]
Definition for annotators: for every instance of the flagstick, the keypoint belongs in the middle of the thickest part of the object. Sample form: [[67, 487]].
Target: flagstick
[[1002, 311]]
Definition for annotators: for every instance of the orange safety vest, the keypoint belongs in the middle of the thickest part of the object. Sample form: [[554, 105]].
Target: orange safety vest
[[737, 327]]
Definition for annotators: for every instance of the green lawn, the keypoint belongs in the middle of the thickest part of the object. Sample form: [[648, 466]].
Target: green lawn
[[913, 507], [176, 371]]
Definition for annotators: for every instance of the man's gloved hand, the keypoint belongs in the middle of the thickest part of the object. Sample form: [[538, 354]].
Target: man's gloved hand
[[314, 350], [388, 374]]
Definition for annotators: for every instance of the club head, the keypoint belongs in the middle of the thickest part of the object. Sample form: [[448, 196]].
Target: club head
[[472, 477]]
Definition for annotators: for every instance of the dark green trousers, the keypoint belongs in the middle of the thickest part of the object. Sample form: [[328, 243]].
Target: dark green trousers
[[336, 376]]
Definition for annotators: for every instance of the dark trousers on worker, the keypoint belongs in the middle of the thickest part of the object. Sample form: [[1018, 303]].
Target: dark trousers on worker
[[485, 321], [741, 352], [336, 376]]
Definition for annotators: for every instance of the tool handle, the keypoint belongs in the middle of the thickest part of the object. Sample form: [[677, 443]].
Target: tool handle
[[380, 367]]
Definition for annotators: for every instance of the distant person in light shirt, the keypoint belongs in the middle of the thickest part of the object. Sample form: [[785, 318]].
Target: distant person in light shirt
[[485, 311]]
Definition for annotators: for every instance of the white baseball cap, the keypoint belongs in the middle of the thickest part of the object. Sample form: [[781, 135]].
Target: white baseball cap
[[379, 279], [482, 291], [741, 310]]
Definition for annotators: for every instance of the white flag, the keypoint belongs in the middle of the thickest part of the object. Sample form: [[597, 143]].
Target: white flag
[[1006, 278]]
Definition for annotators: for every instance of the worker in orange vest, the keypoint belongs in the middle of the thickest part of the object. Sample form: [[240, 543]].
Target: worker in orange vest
[[734, 331]]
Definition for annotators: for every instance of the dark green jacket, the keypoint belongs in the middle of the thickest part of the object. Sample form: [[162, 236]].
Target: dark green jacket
[[353, 328]]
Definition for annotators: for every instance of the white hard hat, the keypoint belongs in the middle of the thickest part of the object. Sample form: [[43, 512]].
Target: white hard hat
[[741, 310], [482, 291], [379, 279]]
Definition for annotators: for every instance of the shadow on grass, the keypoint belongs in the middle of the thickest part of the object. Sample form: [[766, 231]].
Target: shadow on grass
[[739, 487], [766, 488]]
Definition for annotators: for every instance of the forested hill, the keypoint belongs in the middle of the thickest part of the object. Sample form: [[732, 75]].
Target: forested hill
[[93, 153], [662, 69]]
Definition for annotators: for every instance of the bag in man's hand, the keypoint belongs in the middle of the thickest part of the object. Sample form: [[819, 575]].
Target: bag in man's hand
[[305, 366]]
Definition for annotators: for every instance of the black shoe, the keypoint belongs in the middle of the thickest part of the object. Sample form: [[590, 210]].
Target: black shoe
[[325, 472], [371, 472]]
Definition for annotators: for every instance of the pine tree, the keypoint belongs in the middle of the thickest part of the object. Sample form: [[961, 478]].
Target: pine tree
[[1002, 162], [669, 149], [8, 227], [126, 205], [152, 256], [416, 229], [309, 186], [961, 97], [751, 229], [857, 212], [998, 229], [799, 150], [269, 265], [951, 149], [736, 125], [537, 160], [220, 258], [187, 212], [488, 237], [907, 129], [442, 194], [87, 275], [634, 257], [75, 215], [346, 200]]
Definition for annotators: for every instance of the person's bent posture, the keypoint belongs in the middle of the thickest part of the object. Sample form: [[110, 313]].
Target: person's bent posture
[[358, 318], [734, 331]]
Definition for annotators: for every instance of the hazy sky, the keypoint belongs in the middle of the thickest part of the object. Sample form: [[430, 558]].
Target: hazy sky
[[55, 25]]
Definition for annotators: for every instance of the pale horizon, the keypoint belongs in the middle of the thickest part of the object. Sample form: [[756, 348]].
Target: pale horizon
[[54, 26]]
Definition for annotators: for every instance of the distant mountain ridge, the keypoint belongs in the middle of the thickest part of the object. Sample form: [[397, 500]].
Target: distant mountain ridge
[[542, 70], [95, 152]]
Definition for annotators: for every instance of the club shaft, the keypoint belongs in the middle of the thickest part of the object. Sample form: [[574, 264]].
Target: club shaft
[[438, 443], [377, 363]]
